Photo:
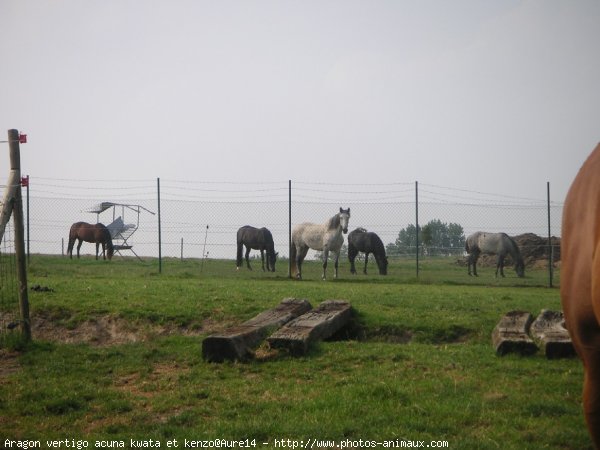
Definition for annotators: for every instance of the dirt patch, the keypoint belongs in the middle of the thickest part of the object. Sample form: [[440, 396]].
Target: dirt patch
[[8, 363], [109, 330]]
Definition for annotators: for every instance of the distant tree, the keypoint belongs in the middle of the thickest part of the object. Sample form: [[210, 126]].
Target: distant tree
[[405, 242], [435, 238]]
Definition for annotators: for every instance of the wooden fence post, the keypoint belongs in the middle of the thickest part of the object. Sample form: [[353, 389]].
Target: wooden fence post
[[21, 257]]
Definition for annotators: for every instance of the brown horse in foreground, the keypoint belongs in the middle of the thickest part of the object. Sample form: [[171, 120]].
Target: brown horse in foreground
[[580, 281], [97, 234]]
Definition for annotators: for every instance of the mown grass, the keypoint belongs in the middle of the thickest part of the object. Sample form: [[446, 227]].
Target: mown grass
[[419, 364]]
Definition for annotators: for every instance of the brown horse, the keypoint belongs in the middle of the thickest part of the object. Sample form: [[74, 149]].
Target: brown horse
[[580, 281], [97, 234]]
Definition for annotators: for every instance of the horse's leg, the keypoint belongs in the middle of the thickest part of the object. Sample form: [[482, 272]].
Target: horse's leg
[[352, 252], [337, 257], [248, 258], [366, 262], [301, 254], [500, 265], [475, 259], [325, 258], [591, 393], [79, 242], [262, 258]]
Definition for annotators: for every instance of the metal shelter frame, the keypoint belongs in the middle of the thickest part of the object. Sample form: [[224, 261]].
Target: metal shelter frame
[[119, 230]]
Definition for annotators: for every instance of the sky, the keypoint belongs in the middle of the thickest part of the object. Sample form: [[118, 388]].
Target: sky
[[488, 95]]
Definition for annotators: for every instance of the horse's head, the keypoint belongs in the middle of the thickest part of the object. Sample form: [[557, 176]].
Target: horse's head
[[271, 260], [344, 219], [520, 268], [110, 251], [383, 266]]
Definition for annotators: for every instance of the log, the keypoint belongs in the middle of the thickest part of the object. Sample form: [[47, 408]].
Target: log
[[239, 342], [549, 332], [320, 323], [511, 335]]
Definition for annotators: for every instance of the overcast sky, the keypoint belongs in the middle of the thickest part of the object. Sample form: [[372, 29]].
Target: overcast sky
[[493, 96]]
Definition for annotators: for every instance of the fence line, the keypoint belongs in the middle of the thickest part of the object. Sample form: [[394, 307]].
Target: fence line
[[205, 215]]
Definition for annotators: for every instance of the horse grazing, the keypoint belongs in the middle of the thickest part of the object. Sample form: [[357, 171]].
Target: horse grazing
[[580, 281], [500, 244], [87, 232], [361, 240], [326, 238], [257, 239]]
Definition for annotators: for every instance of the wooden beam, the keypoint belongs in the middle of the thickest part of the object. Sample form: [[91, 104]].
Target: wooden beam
[[511, 334], [239, 342], [320, 323], [549, 332]]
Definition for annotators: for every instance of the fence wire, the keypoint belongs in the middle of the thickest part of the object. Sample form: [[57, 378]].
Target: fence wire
[[200, 219], [9, 294]]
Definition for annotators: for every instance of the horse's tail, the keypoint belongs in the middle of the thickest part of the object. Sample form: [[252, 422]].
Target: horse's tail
[[293, 265], [72, 238], [240, 248], [471, 242]]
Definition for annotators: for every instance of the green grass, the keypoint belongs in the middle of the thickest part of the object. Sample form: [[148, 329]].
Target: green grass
[[420, 366]]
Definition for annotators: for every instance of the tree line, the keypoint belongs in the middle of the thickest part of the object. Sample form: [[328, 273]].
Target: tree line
[[436, 238]]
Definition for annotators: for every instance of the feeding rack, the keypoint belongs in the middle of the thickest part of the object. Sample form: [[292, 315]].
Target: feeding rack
[[120, 231]]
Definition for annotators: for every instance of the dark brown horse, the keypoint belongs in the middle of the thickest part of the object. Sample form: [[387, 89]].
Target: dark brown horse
[[580, 281], [361, 240], [257, 239], [96, 234]]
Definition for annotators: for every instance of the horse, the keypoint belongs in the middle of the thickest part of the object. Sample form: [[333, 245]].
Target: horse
[[326, 238], [500, 244], [87, 232], [257, 239], [361, 240], [580, 281]]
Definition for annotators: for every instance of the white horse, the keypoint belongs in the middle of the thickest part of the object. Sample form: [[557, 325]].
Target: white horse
[[499, 244], [326, 238]]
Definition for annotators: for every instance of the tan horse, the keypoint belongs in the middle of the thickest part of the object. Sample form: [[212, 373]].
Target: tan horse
[[580, 281]]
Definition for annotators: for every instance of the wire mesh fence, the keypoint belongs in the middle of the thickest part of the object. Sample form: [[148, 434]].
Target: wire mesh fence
[[189, 219], [9, 295]]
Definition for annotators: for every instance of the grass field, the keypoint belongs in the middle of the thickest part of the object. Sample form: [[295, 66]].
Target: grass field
[[116, 356]]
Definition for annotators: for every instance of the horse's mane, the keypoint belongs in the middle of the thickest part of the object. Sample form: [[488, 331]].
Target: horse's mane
[[106, 235], [361, 230], [515, 252], [333, 222]]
